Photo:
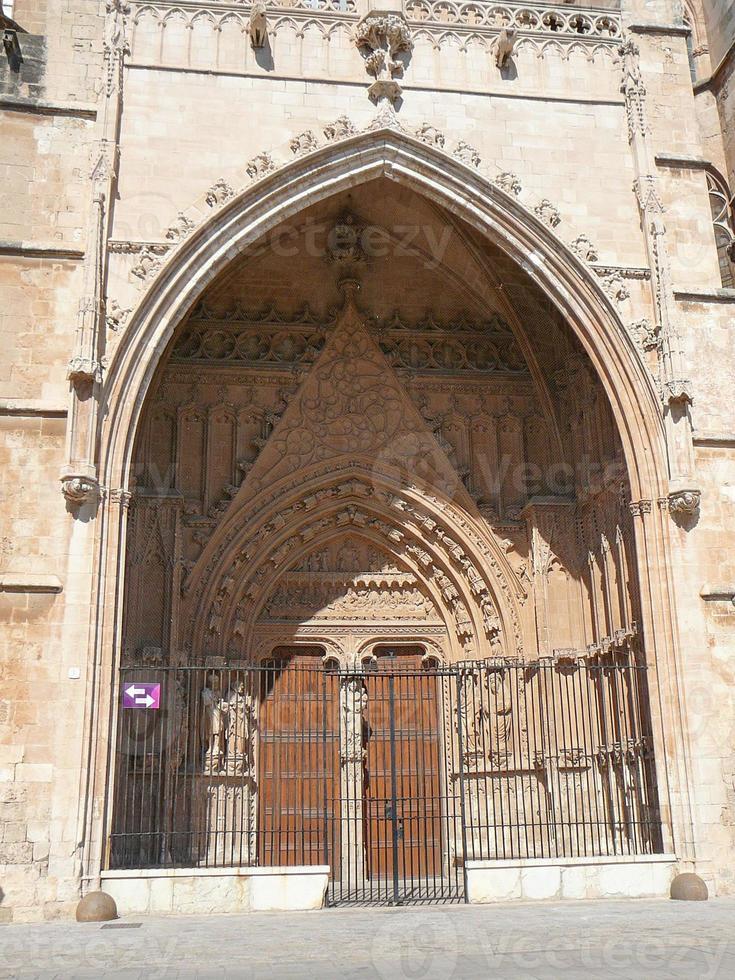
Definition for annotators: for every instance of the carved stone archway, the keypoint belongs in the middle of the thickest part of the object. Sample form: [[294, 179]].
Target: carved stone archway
[[560, 275]]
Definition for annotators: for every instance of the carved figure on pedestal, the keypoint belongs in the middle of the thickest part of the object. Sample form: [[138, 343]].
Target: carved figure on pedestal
[[258, 25], [240, 724], [504, 44], [213, 726]]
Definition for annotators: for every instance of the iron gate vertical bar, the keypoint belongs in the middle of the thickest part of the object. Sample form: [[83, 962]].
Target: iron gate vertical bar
[[393, 786], [462, 817]]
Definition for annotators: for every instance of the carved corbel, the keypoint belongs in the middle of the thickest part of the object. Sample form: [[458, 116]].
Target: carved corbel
[[79, 490], [678, 392], [684, 503]]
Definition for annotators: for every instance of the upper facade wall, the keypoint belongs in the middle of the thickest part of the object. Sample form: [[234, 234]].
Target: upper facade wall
[[196, 90]]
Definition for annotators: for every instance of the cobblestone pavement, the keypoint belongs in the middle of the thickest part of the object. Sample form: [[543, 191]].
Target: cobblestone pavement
[[575, 940]]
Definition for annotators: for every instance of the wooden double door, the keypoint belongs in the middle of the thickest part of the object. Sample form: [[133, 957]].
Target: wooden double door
[[350, 772]]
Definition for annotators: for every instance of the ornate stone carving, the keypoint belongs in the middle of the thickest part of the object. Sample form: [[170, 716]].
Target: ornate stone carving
[[219, 193], [115, 316], [639, 507], [684, 503], [503, 46], [83, 369], [79, 489], [115, 42], [509, 183], [547, 213], [181, 228], [467, 154], [258, 27], [340, 129], [431, 135], [645, 335], [678, 390], [344, 243], [259, 166], [381, 39], [632, 87], [304, 143], [149, 261], [615, 287], [584, 249]]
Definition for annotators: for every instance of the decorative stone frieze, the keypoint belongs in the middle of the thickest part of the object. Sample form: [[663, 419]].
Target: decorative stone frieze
[[340, 129], [431, 135]]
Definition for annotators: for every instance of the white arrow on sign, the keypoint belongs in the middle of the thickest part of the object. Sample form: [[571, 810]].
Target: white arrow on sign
[[136, 692]]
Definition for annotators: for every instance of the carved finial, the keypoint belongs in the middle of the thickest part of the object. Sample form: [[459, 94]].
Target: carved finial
[[382, 39]]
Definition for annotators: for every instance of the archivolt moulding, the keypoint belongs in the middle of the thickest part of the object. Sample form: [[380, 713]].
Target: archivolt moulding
[[465, 192]]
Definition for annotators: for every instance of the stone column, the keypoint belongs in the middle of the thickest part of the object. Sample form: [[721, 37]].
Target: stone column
[[353, 701]]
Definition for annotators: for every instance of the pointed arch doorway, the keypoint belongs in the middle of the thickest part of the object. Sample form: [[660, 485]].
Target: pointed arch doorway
[[281, 431]]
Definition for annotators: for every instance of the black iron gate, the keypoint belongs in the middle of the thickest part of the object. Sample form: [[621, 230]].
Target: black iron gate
[[395, 775], [401, 827]]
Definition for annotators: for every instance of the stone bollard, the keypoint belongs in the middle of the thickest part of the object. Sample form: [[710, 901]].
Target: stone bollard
[[689, 887], [96, 907]]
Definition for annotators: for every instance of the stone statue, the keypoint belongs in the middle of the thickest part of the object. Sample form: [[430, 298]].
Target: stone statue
[[212, 731], [258, 25], [239, 719], [504, 45]]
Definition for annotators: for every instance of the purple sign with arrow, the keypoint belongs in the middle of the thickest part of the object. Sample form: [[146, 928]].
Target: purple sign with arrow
[[136, 694]]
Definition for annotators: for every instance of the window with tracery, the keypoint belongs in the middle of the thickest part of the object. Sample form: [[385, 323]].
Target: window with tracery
[[721, 202]]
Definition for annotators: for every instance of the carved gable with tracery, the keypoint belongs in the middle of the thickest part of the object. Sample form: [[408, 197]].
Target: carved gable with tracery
[[401, 457]]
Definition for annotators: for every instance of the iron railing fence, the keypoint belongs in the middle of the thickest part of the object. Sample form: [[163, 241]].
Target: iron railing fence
[[393, 776]]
